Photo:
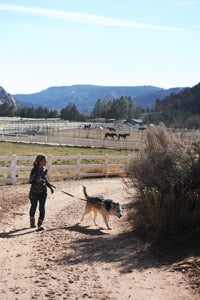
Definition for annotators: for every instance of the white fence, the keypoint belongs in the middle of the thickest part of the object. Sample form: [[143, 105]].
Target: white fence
[[16, 169], [74, 142], [42, 126]]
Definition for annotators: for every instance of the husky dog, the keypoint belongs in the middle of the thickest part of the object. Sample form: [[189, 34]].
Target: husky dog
[[105, 207]]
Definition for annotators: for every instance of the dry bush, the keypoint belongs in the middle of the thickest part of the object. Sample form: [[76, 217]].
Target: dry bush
[[166, 177]]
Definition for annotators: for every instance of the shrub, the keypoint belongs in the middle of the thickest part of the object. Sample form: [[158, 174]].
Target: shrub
[[166, 177]]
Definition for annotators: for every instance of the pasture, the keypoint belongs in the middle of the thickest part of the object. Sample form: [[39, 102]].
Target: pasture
[[63, 162], [8, 148], [84, 130]]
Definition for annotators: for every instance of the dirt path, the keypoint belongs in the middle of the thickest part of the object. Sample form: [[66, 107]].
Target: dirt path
[[72, 261]]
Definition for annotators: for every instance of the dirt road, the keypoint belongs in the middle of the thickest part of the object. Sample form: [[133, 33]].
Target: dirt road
[[80, 261]]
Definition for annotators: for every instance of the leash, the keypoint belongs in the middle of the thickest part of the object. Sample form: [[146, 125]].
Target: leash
[[74, 196], [88, 200], [53, 186]]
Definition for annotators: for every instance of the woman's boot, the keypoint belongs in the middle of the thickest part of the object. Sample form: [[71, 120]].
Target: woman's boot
[[40, 225], [32, 222]]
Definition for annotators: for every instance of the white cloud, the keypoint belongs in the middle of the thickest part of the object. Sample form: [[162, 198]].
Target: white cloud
[[81, 17]]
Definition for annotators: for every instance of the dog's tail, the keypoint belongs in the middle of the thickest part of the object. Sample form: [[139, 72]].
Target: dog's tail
[[84, 191]]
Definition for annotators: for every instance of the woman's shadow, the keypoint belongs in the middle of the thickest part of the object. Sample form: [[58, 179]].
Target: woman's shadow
[[16, 232]]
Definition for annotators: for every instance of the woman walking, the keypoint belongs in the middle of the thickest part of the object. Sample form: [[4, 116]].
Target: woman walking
[[38, 190]]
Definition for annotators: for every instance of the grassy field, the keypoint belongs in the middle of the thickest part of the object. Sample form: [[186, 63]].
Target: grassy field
[[7, 149]]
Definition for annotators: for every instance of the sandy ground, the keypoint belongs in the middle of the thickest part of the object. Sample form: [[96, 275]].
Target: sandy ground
[[80, 261]]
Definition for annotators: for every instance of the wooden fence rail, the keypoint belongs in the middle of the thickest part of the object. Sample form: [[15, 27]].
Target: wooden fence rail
[[16, 169]]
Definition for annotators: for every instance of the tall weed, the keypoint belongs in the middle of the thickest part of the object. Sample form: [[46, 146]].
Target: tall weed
[[166, 176]]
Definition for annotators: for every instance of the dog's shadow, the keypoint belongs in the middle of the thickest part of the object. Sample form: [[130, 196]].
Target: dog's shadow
[[85, 230]]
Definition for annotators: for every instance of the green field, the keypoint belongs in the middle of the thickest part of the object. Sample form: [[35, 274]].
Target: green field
[[7, 149]]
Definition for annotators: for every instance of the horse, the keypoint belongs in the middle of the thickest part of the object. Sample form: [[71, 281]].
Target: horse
[[110, 134], [142, 128], [123, 135], [111, 129], [87, 126]]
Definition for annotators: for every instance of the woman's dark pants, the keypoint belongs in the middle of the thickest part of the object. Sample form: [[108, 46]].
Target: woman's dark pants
[[34, 199]]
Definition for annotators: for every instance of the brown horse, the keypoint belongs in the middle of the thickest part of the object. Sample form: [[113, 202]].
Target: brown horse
[[123, 135], [111, 129], [110, 134], [87, 126]]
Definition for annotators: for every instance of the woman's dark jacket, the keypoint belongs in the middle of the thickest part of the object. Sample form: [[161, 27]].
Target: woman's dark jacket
[[38, 180]]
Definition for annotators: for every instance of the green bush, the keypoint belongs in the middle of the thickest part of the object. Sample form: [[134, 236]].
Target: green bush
[[166, 177]]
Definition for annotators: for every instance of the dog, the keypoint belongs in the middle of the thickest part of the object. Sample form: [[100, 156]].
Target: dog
[[105, 207]]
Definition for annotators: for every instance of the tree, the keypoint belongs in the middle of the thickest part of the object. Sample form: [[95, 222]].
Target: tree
[[40, 113], [98, 109], [4, 109], [119, 109], [53, 114], [26, 112], [70, 113]]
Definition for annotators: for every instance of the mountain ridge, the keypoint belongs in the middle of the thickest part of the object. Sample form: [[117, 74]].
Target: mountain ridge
[[85, 96]]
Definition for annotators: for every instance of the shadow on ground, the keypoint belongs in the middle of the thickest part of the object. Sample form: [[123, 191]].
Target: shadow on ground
[[126, 249], [16, 232]]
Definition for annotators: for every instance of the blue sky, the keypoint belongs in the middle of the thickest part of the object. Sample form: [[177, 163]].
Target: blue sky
[[104, 42]]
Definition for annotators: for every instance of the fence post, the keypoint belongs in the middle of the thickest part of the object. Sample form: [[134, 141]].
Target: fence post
[[49, 166], [78, 166], [14, 169], [106, 165]]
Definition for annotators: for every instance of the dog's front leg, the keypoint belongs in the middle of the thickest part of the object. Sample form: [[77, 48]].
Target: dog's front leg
[[81, 220], [106, 222]]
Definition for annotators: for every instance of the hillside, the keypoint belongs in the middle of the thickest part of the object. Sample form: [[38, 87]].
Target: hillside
[[7, 98], [187, 100], [85, 96]]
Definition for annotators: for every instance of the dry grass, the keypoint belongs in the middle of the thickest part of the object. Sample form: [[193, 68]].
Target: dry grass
[[166, 176]]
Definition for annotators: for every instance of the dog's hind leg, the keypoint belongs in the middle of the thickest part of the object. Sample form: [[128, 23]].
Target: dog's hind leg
[[94, 218], [86, 211]]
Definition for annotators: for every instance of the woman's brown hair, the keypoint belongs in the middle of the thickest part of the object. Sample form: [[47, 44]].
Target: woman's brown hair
[[39, 158]]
